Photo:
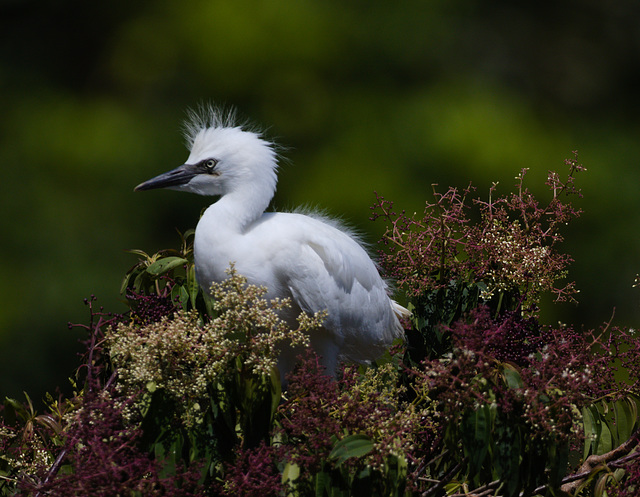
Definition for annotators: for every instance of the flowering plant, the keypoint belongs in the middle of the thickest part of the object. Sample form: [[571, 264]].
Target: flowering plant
[[180, 397]]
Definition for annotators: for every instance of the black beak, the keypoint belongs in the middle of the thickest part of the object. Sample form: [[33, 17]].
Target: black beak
[[176, 177]]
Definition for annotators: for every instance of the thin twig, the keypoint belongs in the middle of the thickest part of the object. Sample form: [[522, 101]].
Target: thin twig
[[447, 477], [483, 491], [54, 469]]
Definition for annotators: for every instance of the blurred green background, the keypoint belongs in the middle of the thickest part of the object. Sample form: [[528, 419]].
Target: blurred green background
[[375, 95]]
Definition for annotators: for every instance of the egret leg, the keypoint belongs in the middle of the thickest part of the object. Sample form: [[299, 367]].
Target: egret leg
[[323, 344]]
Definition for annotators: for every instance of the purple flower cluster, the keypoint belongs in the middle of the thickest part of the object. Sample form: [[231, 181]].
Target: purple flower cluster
[[307, 421], [147, 309], [512, 248], [101, 457], [547, 374], [253, 472], [511, 338]]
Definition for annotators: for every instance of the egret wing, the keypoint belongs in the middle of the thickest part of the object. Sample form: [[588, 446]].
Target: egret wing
[[331, 271]]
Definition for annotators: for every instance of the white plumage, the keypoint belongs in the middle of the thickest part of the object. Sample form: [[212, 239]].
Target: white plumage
[[306, 257]]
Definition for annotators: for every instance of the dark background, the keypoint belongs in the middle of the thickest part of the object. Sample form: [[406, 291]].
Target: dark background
[[386, 96]]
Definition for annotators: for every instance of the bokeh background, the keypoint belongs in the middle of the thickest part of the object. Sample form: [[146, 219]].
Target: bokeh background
[[365, 95]]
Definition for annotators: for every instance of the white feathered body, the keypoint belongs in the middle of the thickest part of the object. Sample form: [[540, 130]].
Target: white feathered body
[[305, 257], [315, 264]]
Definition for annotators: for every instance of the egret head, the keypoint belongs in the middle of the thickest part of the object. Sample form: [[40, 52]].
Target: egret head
[[224, 157]]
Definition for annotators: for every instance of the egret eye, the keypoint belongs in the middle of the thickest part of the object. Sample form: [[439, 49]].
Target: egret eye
[[210, 164]]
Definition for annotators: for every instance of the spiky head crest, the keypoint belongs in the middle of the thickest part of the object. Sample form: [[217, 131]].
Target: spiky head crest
[[208, 120], [208, 116]]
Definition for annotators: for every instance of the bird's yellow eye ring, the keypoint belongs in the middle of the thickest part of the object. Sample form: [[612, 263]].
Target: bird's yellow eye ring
[[210, 165]]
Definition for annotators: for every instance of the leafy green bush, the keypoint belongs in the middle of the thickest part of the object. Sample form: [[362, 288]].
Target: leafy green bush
[[181, 396]]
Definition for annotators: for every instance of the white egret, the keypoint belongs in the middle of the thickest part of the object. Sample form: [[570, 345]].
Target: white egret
[[309, 258]]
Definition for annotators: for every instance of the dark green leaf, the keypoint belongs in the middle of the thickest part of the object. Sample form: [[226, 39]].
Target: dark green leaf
[[605, 442], [476, 436], [626, 417], [139, 252], [291, 473], [323, 484], [137, 283], [512, 376], [506, 457], [558, 462], [591, 431], [351, 446], [600, 486], [165, 265], [125, 281], [192, 285]]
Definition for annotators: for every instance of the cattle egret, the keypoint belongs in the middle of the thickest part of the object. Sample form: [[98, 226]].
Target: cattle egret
[[307, 257]]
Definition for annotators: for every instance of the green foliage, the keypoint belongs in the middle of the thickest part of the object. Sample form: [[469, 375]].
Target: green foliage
[[499, 446], [609, 423], [435, 310], [183, 395], [169, 273], [337, 479]]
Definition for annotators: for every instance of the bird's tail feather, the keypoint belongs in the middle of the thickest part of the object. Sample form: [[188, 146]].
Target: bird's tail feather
[[401, 313]]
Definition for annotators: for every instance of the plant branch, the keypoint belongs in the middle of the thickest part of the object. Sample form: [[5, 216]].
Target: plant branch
[[616, 456], [445, 479]]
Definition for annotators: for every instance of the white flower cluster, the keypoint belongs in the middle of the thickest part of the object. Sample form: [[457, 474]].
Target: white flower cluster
[[184, 357], [516, 263]]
